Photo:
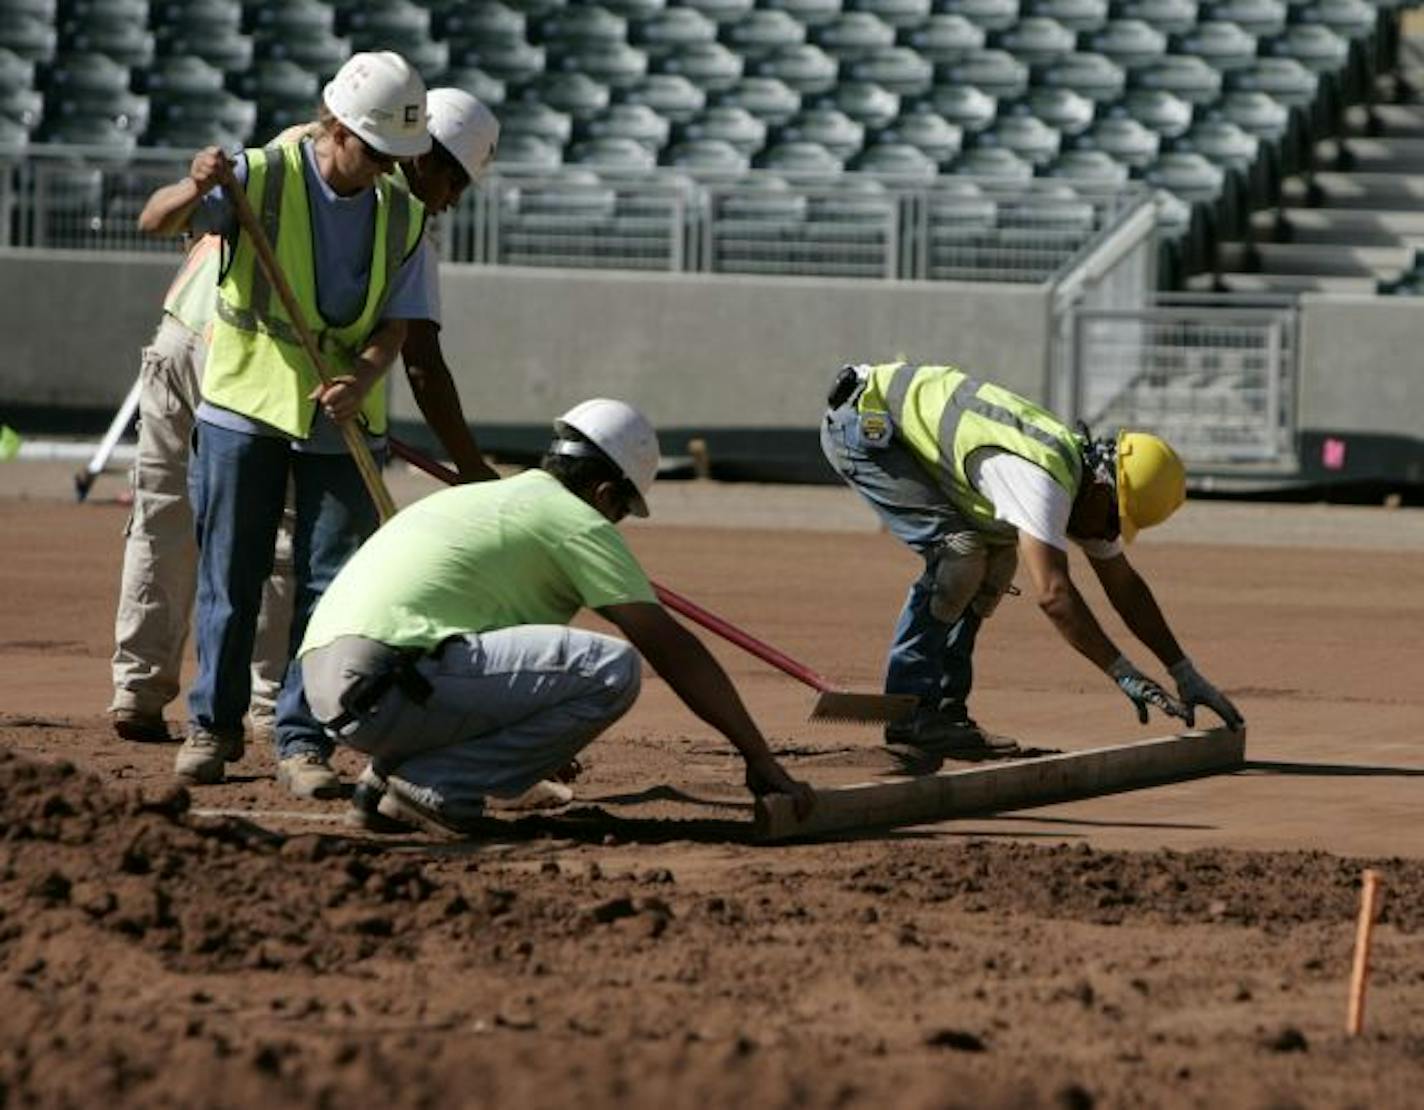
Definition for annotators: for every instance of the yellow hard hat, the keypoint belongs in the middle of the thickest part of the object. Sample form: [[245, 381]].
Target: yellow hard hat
[[1151, 482]]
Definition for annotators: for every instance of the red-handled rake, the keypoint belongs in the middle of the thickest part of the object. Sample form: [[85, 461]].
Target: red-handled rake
[[832, 704]]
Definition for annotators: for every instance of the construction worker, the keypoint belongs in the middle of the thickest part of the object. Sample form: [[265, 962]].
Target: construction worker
[[349, 237], [973, 478], [442, 649]]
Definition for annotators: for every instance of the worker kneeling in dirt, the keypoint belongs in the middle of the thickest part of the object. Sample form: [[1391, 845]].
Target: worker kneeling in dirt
[[971, 476], [440, 650]]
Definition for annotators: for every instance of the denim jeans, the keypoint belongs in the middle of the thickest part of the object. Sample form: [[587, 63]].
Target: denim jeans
[[928, 658], [238, 486]]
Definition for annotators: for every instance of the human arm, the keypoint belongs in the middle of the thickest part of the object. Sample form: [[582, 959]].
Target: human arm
[[342, 397], [699, 680], [434, 390], [168, 210]]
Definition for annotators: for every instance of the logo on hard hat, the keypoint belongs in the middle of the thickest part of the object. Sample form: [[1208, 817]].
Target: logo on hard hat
[[412, 113]]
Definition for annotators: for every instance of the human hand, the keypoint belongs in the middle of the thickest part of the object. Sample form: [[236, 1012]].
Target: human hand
[[210, 166], [341, 398], [769, 778], [1194, 690], [1143, 692]]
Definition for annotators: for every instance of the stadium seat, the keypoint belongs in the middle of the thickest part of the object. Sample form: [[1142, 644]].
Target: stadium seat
[[720, 11], [183, 76], [1089, 167], [1036, 40], [897, 13], [1283, 79], [1079, 16], [277, 84], [1053, 205], [22, 105], [318, 51], [1128, 42], [635, 9], [1165, 113], [708, 65], [991, 15], [1094, 76], [103, 132], [30, 38], [671, 95], [707, 158], [1351, 19], [895, 159], [1191, 78], [614, 157], [966, 107], [854, 35], [762, 32], [189, 133], [770, 99], [484, 87], [1070, 112], [629, 121], [1256, 113], [1255, 17], [995, 72], [1172, 17], [926, 130], [994, 163], [15, 71], [804, 159], [535, 119], [616, 65], [119, 37], [489, 21], [762, 199], [534, 9], [93, 87], [1223, 46], [14, 137], [427, 57], [1188, 175], [672, 29], [812, 13], [830, 127], [854, 200], [735, 126], [898, 69], [807, 69], [1124, 139], [398, 18], [585, 24], [1313, 45], [40, 9], [513, 62], [960, 206], [1026, 136], [1224, 143], [866, 102], [527, 152], [944, 38]]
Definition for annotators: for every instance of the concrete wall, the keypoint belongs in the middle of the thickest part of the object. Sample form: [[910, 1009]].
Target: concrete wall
[[1362, 365]]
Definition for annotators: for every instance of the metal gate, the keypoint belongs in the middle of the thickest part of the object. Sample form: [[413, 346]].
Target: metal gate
[[1216, 382]]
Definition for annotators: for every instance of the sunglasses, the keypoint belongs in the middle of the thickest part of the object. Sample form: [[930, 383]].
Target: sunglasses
[[374, 156]]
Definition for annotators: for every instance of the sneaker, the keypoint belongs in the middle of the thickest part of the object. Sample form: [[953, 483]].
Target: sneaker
[[139, 727], [308, 775], [261, 728], [202, 759], [365, 809], [931, 732], [544, 794], [415, 805]]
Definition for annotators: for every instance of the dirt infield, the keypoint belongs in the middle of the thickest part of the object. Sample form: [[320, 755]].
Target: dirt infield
[[1187, 945]]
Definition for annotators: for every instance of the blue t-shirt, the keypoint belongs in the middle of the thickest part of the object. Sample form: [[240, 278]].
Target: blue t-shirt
[[342, 232]]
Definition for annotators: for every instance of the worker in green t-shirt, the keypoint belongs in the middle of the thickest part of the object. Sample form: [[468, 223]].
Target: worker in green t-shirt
[[442, 651]]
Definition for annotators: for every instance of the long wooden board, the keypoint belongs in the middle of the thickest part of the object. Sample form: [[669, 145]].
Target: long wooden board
[[996, 788]]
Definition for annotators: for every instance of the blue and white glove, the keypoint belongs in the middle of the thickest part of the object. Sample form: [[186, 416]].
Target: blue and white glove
[[1143, 692], [1195, 690]]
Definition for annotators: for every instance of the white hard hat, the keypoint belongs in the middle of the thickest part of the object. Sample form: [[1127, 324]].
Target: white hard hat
[[623, 434], [464, 127], [381, 99]]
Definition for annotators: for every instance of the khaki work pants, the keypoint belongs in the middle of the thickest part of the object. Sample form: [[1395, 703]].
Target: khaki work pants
[[156, 590]]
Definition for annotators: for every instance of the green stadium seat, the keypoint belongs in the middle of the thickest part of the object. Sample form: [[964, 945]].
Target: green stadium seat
[[1352, 19], [900, 160], [926, 130], [427, 57], [230, 51], [854, 35], [671, 95], [1223, 46], [616, 65], [1026, 136], [1094, 76], [635, 9], [1052, 205], [853, 200], [897, 13], [1089, 167], [995, 72], [278, 82], [956, 208], [991, 15], [15, 71], [1257, 113], [126, 41], [945, 38], [770, 99], [760, 199], [804, 159], [807, 69], [191, 133], [183, 76], [830, 127], [93, 87], [534, 9], [1124, 139], [1224, 143], [707, 158], [527, 151], [1190, 176], [1128, 42], [965, 106], [994, 163], [585, 24], [22, 105], [40, 9], [812, 13], [1036, 40], [720, 11], [14, 138], [319, 51], [629, 121], [1165, 113], [103, 132], [865, 102], [572, 202], [535, 119], [614, 157], [1313, 45], [1191, 78], [1255, 17], [708, 65], [897, 69], [484, 87], [1070, 112], [735, 126], [1079, 16], [400, 19], [672, 29], [1283, 79], [1173, 17], [30, 38], [762, 32], [579, 95], [297, 17], [512, 62]]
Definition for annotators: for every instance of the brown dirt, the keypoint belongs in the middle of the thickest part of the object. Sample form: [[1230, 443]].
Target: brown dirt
[[638, 951]]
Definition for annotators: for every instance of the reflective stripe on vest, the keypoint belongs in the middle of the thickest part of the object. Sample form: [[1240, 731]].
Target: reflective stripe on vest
[[192, 298], [962, 415], [257, 365]]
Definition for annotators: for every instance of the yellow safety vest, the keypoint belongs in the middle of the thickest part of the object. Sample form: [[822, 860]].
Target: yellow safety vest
[[256, 365], [192, 298], [943, 416]]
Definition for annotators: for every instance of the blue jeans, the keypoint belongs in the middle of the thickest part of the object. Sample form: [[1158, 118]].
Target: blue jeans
[[928, 658], [237, 483]]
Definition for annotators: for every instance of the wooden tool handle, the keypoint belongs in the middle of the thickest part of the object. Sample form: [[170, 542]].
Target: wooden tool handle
[[267, 259], [1364, 933]]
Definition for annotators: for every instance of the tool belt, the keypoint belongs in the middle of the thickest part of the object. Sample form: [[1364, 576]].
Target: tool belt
[[845, 388], [361, 698]]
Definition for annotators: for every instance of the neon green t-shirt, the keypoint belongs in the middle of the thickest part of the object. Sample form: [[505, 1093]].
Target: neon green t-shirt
[[475, 558]]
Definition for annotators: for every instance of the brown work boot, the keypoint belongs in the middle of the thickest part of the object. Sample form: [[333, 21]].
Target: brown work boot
[[308, 775], [139, 727], [203, 758], [416, 805], [544, 794]]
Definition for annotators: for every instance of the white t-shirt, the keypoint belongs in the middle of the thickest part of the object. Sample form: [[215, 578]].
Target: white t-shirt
[[1024, 495], [430, 261]]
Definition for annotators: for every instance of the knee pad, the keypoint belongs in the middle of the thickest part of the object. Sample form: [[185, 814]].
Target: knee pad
[[960, 563], [1001, 561]]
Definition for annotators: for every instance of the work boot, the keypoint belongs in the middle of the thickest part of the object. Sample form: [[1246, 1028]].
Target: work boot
[[202, 758], [365, 809], [418, 805], [140, 727], [925, 738], [544, 794], [308, 775], [261, 728]]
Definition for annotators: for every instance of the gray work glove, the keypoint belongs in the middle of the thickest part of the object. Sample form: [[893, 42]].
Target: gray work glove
[[1143, 692], [1195, 690]]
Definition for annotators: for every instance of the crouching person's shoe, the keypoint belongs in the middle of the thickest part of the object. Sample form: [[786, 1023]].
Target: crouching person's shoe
[[418, 805], [544, 794], [203, 757], [308, 775], [365, 809], [920, 742], [139, 727]]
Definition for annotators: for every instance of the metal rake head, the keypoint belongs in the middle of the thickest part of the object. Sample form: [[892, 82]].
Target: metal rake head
[[841, 705]]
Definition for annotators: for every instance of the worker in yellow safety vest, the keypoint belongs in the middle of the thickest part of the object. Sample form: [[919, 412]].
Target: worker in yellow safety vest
[[974, 477]]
